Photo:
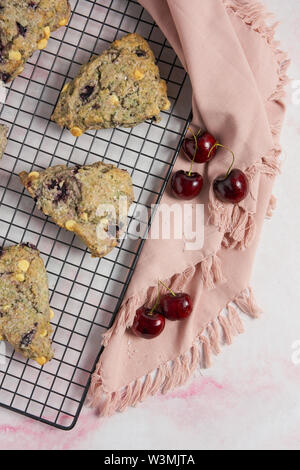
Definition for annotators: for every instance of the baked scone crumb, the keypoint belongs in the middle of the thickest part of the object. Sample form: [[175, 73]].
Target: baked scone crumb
[[24, 303], [26, 26], [3, 139], [122, 87], [92, 201]]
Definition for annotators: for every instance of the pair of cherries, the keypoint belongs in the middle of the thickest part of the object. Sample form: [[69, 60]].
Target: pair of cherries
[[150, 323], [232, 187]]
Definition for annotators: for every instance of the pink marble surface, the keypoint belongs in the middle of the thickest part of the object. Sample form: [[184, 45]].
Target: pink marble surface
[[250, 398]]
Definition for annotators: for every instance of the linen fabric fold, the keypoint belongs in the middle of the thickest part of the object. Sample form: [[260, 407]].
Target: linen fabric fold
[[238, 76]]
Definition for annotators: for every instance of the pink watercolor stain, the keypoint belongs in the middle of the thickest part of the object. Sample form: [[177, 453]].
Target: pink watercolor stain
[[194, 399], [195, 389], [32, 435]]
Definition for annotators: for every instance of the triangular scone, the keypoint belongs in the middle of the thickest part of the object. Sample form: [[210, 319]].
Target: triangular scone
[[25, 26], [91, 201], [122, 87], [3, 139], [24, 303]]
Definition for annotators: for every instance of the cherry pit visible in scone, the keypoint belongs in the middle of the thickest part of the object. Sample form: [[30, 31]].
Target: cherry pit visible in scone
[[3, 139], [122, 87], [91, 201], [25, 26], [24, 303]]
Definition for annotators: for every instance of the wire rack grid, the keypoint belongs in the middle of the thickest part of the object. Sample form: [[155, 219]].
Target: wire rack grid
[[86, 293]]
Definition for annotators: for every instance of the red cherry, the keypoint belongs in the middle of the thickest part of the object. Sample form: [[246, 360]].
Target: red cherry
[[148, 324], [232, 188], [176, 306], [186, 185], [200, 148]]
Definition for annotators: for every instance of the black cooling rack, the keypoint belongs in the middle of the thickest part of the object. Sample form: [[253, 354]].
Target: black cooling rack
[[86, 293]]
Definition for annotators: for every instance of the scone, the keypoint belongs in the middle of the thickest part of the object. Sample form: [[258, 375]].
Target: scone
[[3, 139], [91, 201], [25, 26], [24, 303], [122, 87]]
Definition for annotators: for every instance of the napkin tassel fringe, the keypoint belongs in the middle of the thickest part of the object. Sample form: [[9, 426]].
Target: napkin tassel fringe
[[255, 15], [239, 227], [272, 206], [238, 224], [176, 372]]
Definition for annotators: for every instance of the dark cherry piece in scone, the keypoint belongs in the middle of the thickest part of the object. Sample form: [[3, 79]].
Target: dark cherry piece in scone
[[122, 87], [24, 303], [3, 139], [25, 26], [91, 201]]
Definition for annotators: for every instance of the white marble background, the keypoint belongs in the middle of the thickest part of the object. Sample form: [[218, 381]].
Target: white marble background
[[250, 398]]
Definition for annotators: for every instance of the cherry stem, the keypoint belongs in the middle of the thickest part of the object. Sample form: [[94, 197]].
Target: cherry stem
[[229, 150], [168, 288], [196, 148], [156, 303]]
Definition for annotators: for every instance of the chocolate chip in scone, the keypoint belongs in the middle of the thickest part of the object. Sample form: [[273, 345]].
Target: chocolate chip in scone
[[4, 77], [33, 5], [27, 338], [22, 30], [52, 185], [62, 193], [29, 245], [60, 187], [76, 169], [87, 92], [65, 188], [141, 53], [1, 53]]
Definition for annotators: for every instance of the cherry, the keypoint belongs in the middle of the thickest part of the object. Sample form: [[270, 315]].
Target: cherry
[[176, 306], [234, 186], [148, 323], [200, 148], [186, 185]]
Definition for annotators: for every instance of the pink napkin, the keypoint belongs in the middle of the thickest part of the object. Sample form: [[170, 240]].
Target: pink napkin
[[238, 77]]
